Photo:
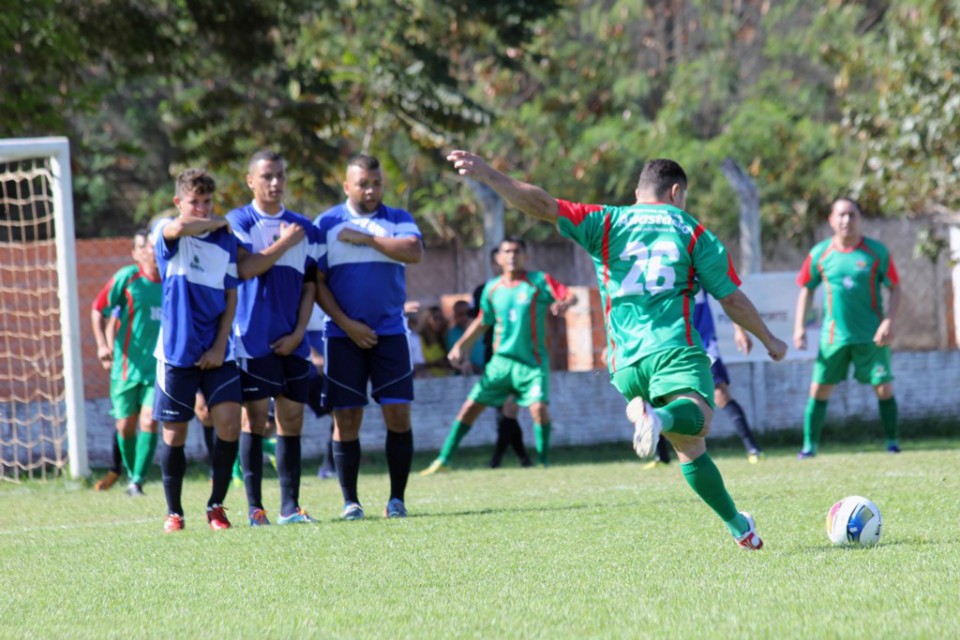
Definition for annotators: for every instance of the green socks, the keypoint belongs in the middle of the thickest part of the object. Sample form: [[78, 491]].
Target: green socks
[[682, 416], [128, 451], [813, 419], [888, 418], [457, 431], [541, 434], [704, 478], [145, 446]]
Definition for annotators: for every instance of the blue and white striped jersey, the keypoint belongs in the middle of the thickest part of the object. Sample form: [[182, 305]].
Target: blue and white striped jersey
[[369, 286], [195, 271], [268, 304]]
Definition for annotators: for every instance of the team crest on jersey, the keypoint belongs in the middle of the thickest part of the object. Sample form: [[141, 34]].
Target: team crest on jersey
[[847, 282], [522, 297], [196, 263], [861, 265]]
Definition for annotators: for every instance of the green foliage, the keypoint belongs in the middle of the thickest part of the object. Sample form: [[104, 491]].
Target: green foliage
[[910, 128]]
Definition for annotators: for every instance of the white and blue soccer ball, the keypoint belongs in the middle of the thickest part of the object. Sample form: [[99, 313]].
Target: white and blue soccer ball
[[854, 521]]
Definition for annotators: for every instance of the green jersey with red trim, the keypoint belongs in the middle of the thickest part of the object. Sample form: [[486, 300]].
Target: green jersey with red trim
[[518, 310], [852, 288], [138, 300], [651, 260]]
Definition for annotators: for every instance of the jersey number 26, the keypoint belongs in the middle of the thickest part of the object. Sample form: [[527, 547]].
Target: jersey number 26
[[652, 269]]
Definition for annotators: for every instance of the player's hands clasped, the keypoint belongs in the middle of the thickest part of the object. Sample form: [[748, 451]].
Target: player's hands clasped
[[362, 335], [287, 344]]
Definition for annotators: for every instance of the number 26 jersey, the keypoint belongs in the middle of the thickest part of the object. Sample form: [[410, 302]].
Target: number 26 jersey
[[651, 260]]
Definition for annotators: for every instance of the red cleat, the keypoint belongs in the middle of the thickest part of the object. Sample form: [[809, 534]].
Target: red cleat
[[174, 522], [217, 517]]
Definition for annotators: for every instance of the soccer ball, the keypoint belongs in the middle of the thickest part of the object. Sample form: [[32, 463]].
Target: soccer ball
[[854, 520]]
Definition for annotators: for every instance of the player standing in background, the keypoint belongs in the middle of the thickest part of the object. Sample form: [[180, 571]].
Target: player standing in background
[[135, 293], [516, 305], [703, 323], [650, 258], [197, 256], [116, 457], [509, 433], [361, 287], [853, 270], [276, 263]]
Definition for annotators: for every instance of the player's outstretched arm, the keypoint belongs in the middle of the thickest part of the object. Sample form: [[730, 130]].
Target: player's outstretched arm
[[799, 328], [528, 198], [741, 311]]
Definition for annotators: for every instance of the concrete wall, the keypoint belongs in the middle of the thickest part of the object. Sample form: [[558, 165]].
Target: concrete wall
[[586, 409]]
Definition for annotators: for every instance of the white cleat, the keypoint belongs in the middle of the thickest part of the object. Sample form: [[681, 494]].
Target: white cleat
[[646, 427], [750, 541]]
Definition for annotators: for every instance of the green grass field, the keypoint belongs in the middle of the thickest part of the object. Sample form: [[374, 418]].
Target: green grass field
[[591, 547]]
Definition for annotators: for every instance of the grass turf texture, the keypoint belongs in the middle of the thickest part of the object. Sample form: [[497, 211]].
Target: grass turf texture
[[591, 547]]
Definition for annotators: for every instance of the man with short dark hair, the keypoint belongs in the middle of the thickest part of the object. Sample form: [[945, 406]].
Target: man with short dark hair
[[361, 286], [853, 270], [276, 263], [650, 259]]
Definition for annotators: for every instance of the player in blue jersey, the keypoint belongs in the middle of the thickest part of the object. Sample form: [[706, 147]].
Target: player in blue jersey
[[703, 323], [276, 262], [197, 256], [361, 286]]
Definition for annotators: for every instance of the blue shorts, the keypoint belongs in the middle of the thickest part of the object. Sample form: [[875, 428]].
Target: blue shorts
[[719, 372], [176, 390], [272, 375], [348, 368]]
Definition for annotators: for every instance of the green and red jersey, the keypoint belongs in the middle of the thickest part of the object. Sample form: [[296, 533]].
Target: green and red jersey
[[852, 288], [651, 260], [518, 312], [138, 300]]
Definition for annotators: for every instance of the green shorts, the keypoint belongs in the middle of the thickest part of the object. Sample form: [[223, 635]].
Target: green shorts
[[666, 373], [128, 398], [504, 377], [871, 364]]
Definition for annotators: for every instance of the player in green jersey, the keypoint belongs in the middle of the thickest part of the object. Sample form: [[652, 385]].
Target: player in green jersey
[[853, 269], [651, 259], [516, 305], [136, 292]]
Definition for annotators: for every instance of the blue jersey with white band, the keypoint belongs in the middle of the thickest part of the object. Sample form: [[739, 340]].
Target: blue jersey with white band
[[703, 323], [369, 286], [268, 304], [195, 271]]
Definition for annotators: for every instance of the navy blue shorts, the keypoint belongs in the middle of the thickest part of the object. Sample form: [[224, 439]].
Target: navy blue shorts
[[719, 371], [348, 368], [273, 375], [176, 390]]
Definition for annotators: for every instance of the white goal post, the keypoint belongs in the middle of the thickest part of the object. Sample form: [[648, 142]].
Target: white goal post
[[42, 417]]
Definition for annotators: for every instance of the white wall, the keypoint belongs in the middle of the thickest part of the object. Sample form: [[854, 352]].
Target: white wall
[[586, 409]]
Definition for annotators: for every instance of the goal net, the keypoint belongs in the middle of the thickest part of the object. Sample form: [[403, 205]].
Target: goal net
[[42, 429]]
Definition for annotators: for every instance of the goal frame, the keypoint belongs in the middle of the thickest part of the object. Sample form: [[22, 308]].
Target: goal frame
[[57, 149]]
